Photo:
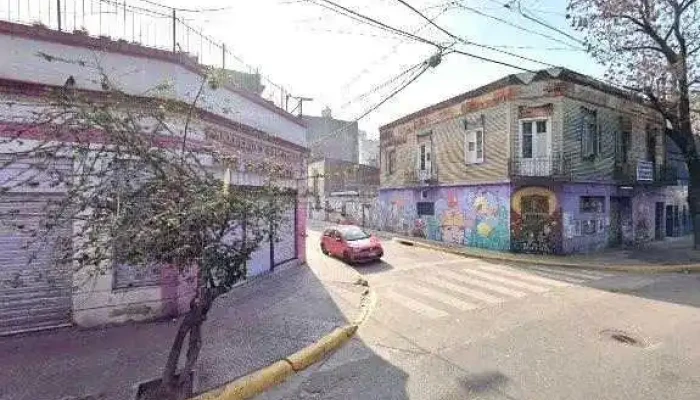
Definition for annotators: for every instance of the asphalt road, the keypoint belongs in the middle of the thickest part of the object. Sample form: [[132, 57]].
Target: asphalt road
[[446, 327]]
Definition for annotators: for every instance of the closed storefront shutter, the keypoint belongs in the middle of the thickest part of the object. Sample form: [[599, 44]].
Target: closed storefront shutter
[[35, 288], [285, 248]]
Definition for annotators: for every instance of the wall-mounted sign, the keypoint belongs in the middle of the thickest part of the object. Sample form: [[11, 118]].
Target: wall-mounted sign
[[645, 171]]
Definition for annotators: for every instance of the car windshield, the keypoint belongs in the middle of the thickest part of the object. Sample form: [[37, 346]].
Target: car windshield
[[353, 233]]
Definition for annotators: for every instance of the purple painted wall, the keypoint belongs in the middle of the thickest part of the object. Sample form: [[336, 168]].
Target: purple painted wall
[[474, 216], [583, 231], [589, 231]]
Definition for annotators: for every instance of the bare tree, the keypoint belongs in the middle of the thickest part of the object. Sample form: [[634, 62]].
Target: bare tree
[[140, 189], [652, 47]]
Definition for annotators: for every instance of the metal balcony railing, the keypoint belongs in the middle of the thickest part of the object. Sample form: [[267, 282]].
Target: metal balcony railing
[[645, 172], [555, 166], [419, 176]]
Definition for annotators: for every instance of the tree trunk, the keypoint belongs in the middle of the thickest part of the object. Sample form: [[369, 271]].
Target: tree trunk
[[168, 381], [191, 325], [694, 203]]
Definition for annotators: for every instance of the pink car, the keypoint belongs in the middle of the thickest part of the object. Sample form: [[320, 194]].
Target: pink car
[[351, 243]]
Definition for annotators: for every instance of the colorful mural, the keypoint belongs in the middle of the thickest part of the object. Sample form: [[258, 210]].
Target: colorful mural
[[536, 221], [470, 216]]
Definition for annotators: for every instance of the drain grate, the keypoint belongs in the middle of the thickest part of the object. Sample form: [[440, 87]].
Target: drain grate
[[622, 337]]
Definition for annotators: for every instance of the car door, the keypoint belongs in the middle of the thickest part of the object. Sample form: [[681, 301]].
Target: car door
[[336, 243], [327, 239]]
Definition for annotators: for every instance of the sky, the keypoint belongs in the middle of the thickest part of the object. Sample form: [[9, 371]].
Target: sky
[[316, 53]]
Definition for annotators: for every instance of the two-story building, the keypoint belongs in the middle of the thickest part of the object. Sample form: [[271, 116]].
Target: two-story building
[[548, 162], [37, 290], [341, 190]]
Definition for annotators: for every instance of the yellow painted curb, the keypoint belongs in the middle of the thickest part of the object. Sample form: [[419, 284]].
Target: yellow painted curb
[[316, 351], [638, 268], [251, 385], [257, 382]]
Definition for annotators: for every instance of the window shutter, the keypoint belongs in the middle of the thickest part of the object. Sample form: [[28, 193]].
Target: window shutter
[[479, 154], [469, 147]]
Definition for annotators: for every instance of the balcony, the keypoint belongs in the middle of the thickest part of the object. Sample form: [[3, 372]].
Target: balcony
[[556, 167], [421, 177], [645, 172]]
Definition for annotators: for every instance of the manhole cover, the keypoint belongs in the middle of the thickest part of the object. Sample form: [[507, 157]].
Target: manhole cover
[[622, 337]]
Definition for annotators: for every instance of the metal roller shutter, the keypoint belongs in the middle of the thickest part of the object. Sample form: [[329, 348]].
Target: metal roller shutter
[[35, 292], [285, 249]]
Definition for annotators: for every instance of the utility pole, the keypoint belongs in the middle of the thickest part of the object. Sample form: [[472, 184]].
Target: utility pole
[[58, 14], [223, 56], [300, 103], [174, 31]]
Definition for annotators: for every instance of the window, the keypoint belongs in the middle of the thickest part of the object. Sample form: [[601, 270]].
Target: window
[[424, 151], [592, 204], [623, 147], [422, 157], [526, 145], [425, 208], [651, 145], [391, 162], [589, 227], [534, 204], [474, 147], [590, 139]]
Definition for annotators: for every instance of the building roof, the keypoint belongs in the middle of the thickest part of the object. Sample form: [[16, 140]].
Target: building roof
[[520, 79]]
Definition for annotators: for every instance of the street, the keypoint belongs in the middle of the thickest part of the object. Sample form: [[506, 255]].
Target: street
[[446, 327]]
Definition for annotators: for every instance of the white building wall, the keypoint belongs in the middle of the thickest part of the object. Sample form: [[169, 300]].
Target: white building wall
[[95, 300], [39, 61]]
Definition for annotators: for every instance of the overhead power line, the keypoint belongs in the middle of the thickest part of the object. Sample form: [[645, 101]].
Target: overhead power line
[[375, 22], [381, 85], [189, 10], [432, 62], [391, 52], [416, 37], [516, 26], [468, 42], [520, 11]]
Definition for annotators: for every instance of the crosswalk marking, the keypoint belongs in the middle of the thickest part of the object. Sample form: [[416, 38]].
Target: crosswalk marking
[[561, 278], [441, 297], [416, 306], [475, 294], [575, 274], [482, 284], [524, 275], [507, 281]]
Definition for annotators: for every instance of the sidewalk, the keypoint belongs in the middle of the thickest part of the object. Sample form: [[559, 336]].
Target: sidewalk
[[253, 326], [671, 254]]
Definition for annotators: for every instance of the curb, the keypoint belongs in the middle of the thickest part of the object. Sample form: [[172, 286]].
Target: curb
[[259, 381], [636, 268]]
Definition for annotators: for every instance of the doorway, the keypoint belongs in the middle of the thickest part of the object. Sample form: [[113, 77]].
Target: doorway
[[620, 218], [658, 221]]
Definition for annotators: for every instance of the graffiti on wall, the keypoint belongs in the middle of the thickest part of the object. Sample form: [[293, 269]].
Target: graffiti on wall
[[536, 221], [644, 223], [471, 216]]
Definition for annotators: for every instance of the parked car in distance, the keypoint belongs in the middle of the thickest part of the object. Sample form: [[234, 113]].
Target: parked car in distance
[[351, 243]]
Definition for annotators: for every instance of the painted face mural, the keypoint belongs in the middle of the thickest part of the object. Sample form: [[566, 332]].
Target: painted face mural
[[535, 221], [452, 222]]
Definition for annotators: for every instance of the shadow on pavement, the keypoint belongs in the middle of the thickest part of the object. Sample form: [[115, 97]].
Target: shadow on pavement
[[678, 288], [373, 267], [251, 327]]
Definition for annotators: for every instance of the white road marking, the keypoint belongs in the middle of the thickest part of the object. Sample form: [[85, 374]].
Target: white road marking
[[524, 275], [439, 296], [559, 277], [475, 294], [482, 284], [576, 274], [415, 305], [507, 281]]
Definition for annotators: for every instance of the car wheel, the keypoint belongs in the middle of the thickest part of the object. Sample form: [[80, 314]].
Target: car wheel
[[323, 250], [346, 257]]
